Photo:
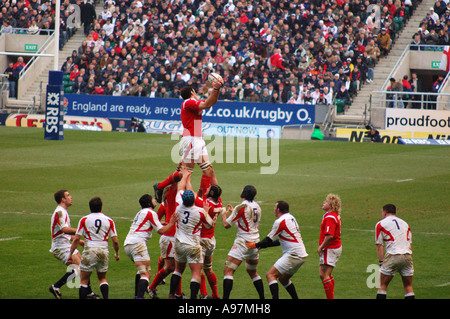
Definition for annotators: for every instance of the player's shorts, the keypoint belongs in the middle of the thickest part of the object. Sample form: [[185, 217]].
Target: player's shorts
[[289, 264], [193, 148], [192, 254], [240, 251], [95, 258], [330, 256], [167, 246], [137, 252], [62, 254], [208, 246], [402, 264]]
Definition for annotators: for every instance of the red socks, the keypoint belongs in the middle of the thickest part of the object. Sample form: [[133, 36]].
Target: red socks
[[203, 290], [205, 184], [161, 274], [212, 280], [328, 285]]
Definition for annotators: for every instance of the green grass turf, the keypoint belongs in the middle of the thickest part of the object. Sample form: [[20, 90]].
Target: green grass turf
[[120, 167]]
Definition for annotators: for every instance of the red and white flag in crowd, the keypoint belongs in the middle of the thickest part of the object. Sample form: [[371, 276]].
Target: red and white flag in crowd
[[445, 59]]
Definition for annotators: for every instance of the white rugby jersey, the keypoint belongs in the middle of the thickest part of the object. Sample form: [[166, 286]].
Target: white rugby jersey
[[190, 222], [286, 228], [246, 216], [142, 227], [96, 228], [60, 219], [395, 234]]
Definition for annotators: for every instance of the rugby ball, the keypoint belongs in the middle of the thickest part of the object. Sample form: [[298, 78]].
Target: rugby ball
[[213, 77]]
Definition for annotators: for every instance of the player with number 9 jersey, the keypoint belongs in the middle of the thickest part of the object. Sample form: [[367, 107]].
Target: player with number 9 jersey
[[96, 228]]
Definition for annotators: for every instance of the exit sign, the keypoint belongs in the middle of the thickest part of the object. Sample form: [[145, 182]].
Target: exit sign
[[435, 64], [31, 47]]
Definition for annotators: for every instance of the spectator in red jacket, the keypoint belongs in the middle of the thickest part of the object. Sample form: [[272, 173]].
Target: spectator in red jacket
[[276, 60]]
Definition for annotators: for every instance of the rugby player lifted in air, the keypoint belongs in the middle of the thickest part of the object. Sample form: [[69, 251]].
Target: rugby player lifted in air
[[192, 146]]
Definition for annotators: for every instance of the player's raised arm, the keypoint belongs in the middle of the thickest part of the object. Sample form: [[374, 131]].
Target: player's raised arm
[[217, 83]]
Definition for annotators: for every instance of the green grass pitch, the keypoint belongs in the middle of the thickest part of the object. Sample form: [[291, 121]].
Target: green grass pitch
[[120, 167]]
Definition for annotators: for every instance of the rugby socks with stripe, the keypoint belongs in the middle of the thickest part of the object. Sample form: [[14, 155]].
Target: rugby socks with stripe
[[227, 286], [104, 289], [141, 287], [290, 288], [328, 285], [258, 283], [83, 291], [273, 286], [175, 283], [195, 287], [61, 282]]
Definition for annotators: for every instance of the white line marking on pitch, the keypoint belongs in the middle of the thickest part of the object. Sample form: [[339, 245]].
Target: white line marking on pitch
[[10, 238], [443, 285], [404, 180]]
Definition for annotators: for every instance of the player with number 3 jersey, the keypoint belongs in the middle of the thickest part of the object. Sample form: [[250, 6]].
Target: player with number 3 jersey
[[187, 241]]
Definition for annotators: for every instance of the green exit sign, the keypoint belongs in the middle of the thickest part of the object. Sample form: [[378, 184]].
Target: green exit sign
[[435, 64], [31, 47]]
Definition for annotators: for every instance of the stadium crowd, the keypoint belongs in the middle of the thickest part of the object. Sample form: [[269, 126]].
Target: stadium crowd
[[300, 51]]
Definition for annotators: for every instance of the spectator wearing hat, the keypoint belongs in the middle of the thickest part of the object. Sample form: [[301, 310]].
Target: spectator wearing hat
[[321, 99], [74, 73], [433, 15]]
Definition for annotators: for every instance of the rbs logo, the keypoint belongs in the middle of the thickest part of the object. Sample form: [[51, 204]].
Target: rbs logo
[[52, 115]]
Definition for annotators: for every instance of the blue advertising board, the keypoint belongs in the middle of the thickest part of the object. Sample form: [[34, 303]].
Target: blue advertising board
[[54, 115], [169, 110]]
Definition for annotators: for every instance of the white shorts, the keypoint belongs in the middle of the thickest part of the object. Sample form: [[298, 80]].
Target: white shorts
[[289, 264], [192, 254], [241, 252], [137, 252], [193, 148], [167, 246], [330, 256], [208, 246], [397, 263], [94, 258], [62, 254]]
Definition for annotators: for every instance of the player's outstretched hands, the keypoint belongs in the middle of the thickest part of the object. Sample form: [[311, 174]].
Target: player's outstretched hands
[[218, 83]]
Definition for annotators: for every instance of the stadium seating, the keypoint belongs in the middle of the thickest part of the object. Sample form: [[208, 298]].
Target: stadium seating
[[256, 46]]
